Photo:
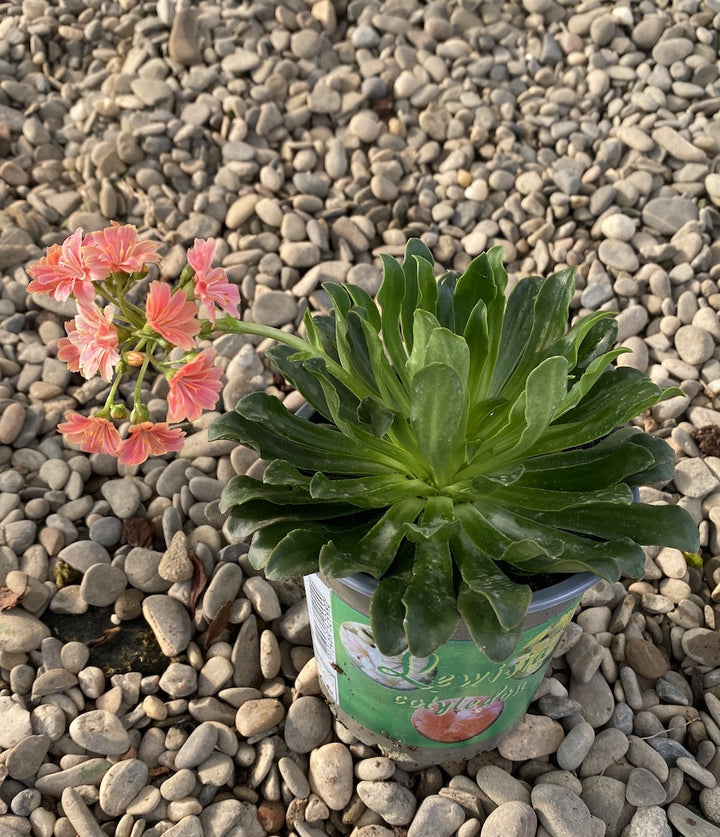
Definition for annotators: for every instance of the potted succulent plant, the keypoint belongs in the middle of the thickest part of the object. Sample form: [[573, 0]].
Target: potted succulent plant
[[462, 474]]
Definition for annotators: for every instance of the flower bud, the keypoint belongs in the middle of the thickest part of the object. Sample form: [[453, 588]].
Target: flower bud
[[118, 411], [134, 358]]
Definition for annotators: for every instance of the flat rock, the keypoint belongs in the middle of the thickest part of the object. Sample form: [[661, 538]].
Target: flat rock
[[170, 623], [331, 774], [395, 804], [560, 811], [595, 698], [516, 818], [689, 824], [100, 731], [121, 784], [645, 658], [438, 816], [667, 215], [307, 724], [535, 736], [16, 725], [20, 631]]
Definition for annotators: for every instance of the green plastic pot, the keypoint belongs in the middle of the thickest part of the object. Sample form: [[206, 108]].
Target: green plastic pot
[[445, 707]]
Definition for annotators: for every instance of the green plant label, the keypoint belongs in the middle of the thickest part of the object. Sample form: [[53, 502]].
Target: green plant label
[[454, 697]]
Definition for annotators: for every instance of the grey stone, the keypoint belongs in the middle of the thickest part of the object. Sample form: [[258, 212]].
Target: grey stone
[[667, 215], [170, 623], [123, 496], [437, 816], [100, 731], [307, 724], [560, 811], [689, 824], [102, 584], [121, 784], [331, 775], [395, 804]]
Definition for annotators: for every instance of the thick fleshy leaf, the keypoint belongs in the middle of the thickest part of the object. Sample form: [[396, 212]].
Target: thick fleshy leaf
[[662, 470], [529, 418], [542, 499], [374, 549], [430, 605], [494, 640], [368, 492], [281, 472], [427, 285], [576, 552], [299, 374], [587, 380], [624, 393], [354, 354], [261, 421], [424, 324], [446, 347], [509, 600], [295, 555], [609, 560], [265, 540], [411, 297], [599, 340], [483, 279], [484, 420], [586, 468], [366, 305], [335, 563], [386, 382], [478, 342], [438, 415], [373, 412], [242, 489], [387, 614], [519, 309], [570, 343], [340, 299], [390, 297], [377, 550], [545, 387], [648, 525], [256, 514], [446, 289], [489, 540], [551, 309]]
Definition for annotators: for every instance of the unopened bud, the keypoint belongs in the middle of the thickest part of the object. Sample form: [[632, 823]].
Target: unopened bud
[[134, 358], [118, 411]]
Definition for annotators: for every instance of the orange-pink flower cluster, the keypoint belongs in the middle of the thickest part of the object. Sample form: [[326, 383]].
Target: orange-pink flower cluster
[[119, 337]]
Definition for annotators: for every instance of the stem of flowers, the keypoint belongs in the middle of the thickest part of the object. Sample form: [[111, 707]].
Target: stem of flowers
[[137, 403], [110, 400], [134, 315]]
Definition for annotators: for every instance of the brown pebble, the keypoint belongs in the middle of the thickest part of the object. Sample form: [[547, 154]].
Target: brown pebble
[[645, 658], [271, 815]]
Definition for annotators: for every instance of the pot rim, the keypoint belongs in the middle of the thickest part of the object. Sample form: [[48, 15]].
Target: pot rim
[[555, 595]]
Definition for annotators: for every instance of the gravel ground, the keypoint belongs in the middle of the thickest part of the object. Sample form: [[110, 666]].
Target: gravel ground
[[308, 138]]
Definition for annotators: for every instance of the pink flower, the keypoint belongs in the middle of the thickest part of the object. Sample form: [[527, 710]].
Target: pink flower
[[62, 271], [171, 315], [93, 434], [68, 352], [94, 342], [117, 249], [194, 388], [148, 439], [211, 283]]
